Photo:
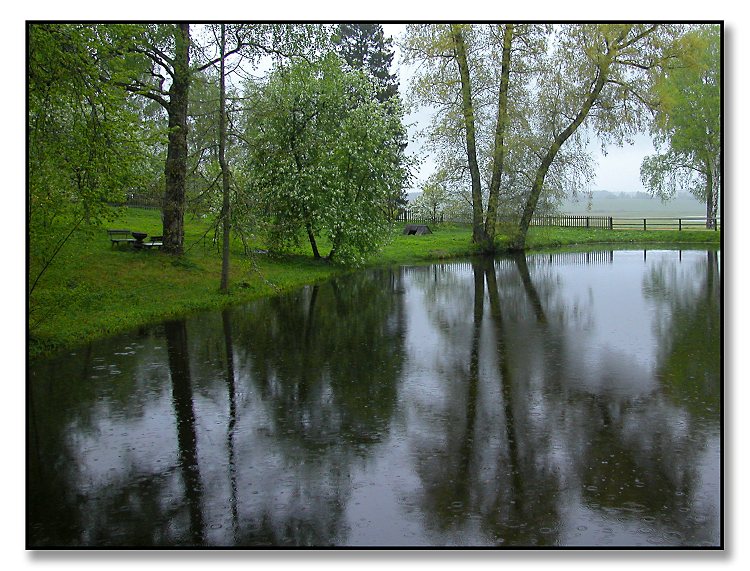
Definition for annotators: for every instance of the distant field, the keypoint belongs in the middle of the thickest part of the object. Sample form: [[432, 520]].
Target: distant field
[[635, 207]]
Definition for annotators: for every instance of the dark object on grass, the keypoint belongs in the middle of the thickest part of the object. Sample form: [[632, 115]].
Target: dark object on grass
[[117, 236], [416, 230]]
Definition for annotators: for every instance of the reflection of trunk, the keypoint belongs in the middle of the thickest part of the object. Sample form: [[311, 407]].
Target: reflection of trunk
[[33, 436], [182, 397], [528, 286], [506, 386], [341, 308], [711, 267], [304, 383], [467, 445], [310, 314], [227, 322]]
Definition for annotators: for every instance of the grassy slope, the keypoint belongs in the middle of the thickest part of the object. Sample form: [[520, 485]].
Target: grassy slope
[[94, 289]]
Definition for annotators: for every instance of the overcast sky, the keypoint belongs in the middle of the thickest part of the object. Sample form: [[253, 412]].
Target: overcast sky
[[618, 171]]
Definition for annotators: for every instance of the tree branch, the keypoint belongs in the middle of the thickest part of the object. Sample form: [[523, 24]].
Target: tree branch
[[632, 63], [54, 254], [158, 57], [637, 38], [649, 104], [146, 91]]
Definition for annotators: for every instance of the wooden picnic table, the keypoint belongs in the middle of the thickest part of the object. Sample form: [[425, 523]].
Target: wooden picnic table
[[137, 239]]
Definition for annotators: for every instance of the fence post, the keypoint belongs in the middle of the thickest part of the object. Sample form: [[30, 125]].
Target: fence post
[[679, 224], [644, 224], [611, 226], [716, 225], [587, 222]]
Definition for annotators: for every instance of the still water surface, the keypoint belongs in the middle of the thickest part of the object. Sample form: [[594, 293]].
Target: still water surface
[[564, 400]]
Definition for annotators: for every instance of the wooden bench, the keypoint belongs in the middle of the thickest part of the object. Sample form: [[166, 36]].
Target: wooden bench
[[154, 242], [118, 236]]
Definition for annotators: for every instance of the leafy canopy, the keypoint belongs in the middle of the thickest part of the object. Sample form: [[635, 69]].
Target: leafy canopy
[[324, 156], [687, 127]]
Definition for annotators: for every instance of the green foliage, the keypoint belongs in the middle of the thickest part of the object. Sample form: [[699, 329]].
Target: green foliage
[[323, 155], [687, 128], [364, 47], [86, 144]]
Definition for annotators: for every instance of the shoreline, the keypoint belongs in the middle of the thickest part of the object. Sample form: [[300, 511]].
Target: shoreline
[[98, 296]]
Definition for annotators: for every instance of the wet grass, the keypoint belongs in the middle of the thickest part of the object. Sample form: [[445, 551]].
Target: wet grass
[[95, 289], [545, 237]]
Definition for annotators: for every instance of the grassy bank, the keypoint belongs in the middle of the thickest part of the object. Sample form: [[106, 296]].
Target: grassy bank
[[94, 289]]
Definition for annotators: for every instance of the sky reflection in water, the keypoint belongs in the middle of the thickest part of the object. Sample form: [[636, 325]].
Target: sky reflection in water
[[548, 400]]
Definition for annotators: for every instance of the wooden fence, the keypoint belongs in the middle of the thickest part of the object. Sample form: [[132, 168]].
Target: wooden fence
[[571, 221], [412, 217], [667, 223], [140, 201], [583, 221], [557, 220], [576, 258]]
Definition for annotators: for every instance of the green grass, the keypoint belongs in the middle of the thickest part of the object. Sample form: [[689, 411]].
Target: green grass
[[545, 236], [94, 289], [446, 241]]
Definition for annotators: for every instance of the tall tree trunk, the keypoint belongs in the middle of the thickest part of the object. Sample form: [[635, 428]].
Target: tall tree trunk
[[313, 243], [334, 248], [175, 169], [306, 216], [478, 235], [541, 173], [498, 159], [225, 218], [710, 210]]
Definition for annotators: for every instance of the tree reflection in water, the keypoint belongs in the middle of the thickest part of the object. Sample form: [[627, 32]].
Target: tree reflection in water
[[529, 400], [611, 457], [187, 441]]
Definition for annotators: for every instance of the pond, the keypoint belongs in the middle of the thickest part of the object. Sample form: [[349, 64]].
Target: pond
[[568, 399]]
